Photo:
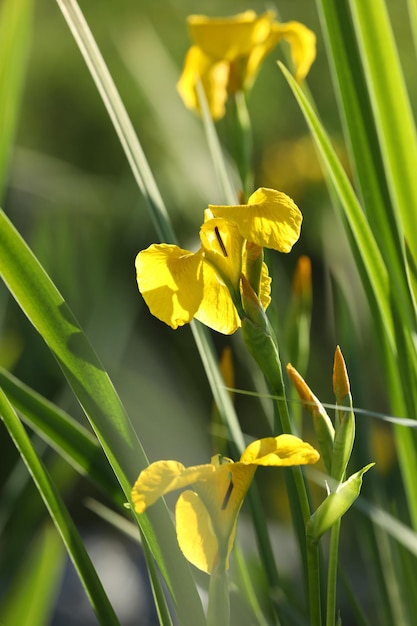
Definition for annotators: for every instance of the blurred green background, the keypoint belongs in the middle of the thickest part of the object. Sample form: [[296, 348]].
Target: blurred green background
[[71, 194]]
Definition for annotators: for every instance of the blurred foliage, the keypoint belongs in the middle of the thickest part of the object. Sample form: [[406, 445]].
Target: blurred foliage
[[72, 196]]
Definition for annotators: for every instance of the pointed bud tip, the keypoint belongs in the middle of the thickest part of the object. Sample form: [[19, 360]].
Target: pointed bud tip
[[341, 386]]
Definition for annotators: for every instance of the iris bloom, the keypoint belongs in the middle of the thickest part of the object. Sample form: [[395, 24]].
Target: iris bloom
[[206, 515], [178, 285], [228, 52]]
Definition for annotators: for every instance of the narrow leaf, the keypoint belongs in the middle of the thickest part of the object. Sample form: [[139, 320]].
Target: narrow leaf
[[52, 318], [15, 29], [391, 109], [68, 437], [373, 268], [59, 515], [31, 597], [335, 505]]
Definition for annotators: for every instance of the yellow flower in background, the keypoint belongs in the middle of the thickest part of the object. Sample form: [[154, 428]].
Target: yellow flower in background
[[179, 285], [206, 516], [228, 52]]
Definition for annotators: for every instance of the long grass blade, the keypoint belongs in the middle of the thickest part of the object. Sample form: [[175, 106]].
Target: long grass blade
[[391, 109], [31, 596], [68, 437], [362, 139], [374, 271], [52, 318], [15, 29], [148, 188], [119, 117], [59, 515]]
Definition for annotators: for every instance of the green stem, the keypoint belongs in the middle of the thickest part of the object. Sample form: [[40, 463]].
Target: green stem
[[262, 345], [332, 574], [243, 143], [218, 613], [313, 573]]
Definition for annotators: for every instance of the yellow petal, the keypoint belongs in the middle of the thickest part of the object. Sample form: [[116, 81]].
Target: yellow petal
[[223, 493], [216, 309], [270, 219], [195, 532], [162, 477], [170, 281], [302, 41], [229, 37], [283, 450], [213, 75], [265, 289], [223, 249]]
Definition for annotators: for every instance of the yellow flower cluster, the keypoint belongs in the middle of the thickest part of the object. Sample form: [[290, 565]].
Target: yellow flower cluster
[[227, 53], [206, 516], [179, 285]]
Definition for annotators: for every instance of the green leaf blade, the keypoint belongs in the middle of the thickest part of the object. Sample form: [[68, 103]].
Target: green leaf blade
[[52, 318]]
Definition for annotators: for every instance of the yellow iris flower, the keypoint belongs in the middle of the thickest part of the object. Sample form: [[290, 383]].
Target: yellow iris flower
[[228, 52], [179, 285], [206, 516]]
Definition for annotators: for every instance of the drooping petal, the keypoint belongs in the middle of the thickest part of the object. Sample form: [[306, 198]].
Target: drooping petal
[[223, 493], [283, 450], [212, 73], [195, 532], [270, 219], [216, 309], [223, 249], [171, 283], [162, 477], [229, 37], [302, 41]]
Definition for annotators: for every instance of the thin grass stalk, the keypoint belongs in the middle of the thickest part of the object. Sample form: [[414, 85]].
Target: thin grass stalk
[[360, 617], [119, 117], [412, 12], [243, 143], [215, 149], [248, 591]]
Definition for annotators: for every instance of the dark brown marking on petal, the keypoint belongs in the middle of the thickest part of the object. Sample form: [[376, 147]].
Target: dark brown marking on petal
[[220, 240], [228, 493]]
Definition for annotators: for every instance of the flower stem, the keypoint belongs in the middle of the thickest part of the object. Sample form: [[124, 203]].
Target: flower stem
[[261, 343], [219, 603], [332, 574]]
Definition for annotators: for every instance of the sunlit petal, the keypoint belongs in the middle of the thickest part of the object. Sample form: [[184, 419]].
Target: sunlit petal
[[164, 274], [223, 248], [302, 41], [223, 493], [213, 74], [265, 289], [162, 477], [216, 309], [270, 219], [252, 254], [283, 450], [195, 532]]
